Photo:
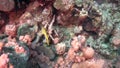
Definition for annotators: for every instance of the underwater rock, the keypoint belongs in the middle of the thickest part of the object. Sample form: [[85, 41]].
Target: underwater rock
[[47, 51], [7, 5], [63, 5], [38, 15], [89, 14], [46, 15], [71, 17], [3, 21], [99, 63], [44, 61]]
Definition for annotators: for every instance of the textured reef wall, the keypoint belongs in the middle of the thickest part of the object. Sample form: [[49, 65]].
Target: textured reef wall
[[59, 34]]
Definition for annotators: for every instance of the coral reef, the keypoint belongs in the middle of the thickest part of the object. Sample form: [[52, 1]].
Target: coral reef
[[59, 33]]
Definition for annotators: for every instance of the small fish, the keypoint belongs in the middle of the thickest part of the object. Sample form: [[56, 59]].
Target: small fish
[[44, 32]]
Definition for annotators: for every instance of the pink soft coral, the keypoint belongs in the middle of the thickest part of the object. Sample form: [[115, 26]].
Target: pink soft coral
[[27, 39], [11, 30], [11, 43], [4, 60]]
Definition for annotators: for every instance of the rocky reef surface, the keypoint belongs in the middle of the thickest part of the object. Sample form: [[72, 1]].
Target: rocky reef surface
[[59, 34]]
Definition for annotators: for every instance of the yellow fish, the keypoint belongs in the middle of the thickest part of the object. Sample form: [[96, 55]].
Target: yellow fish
[[44, 32]]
